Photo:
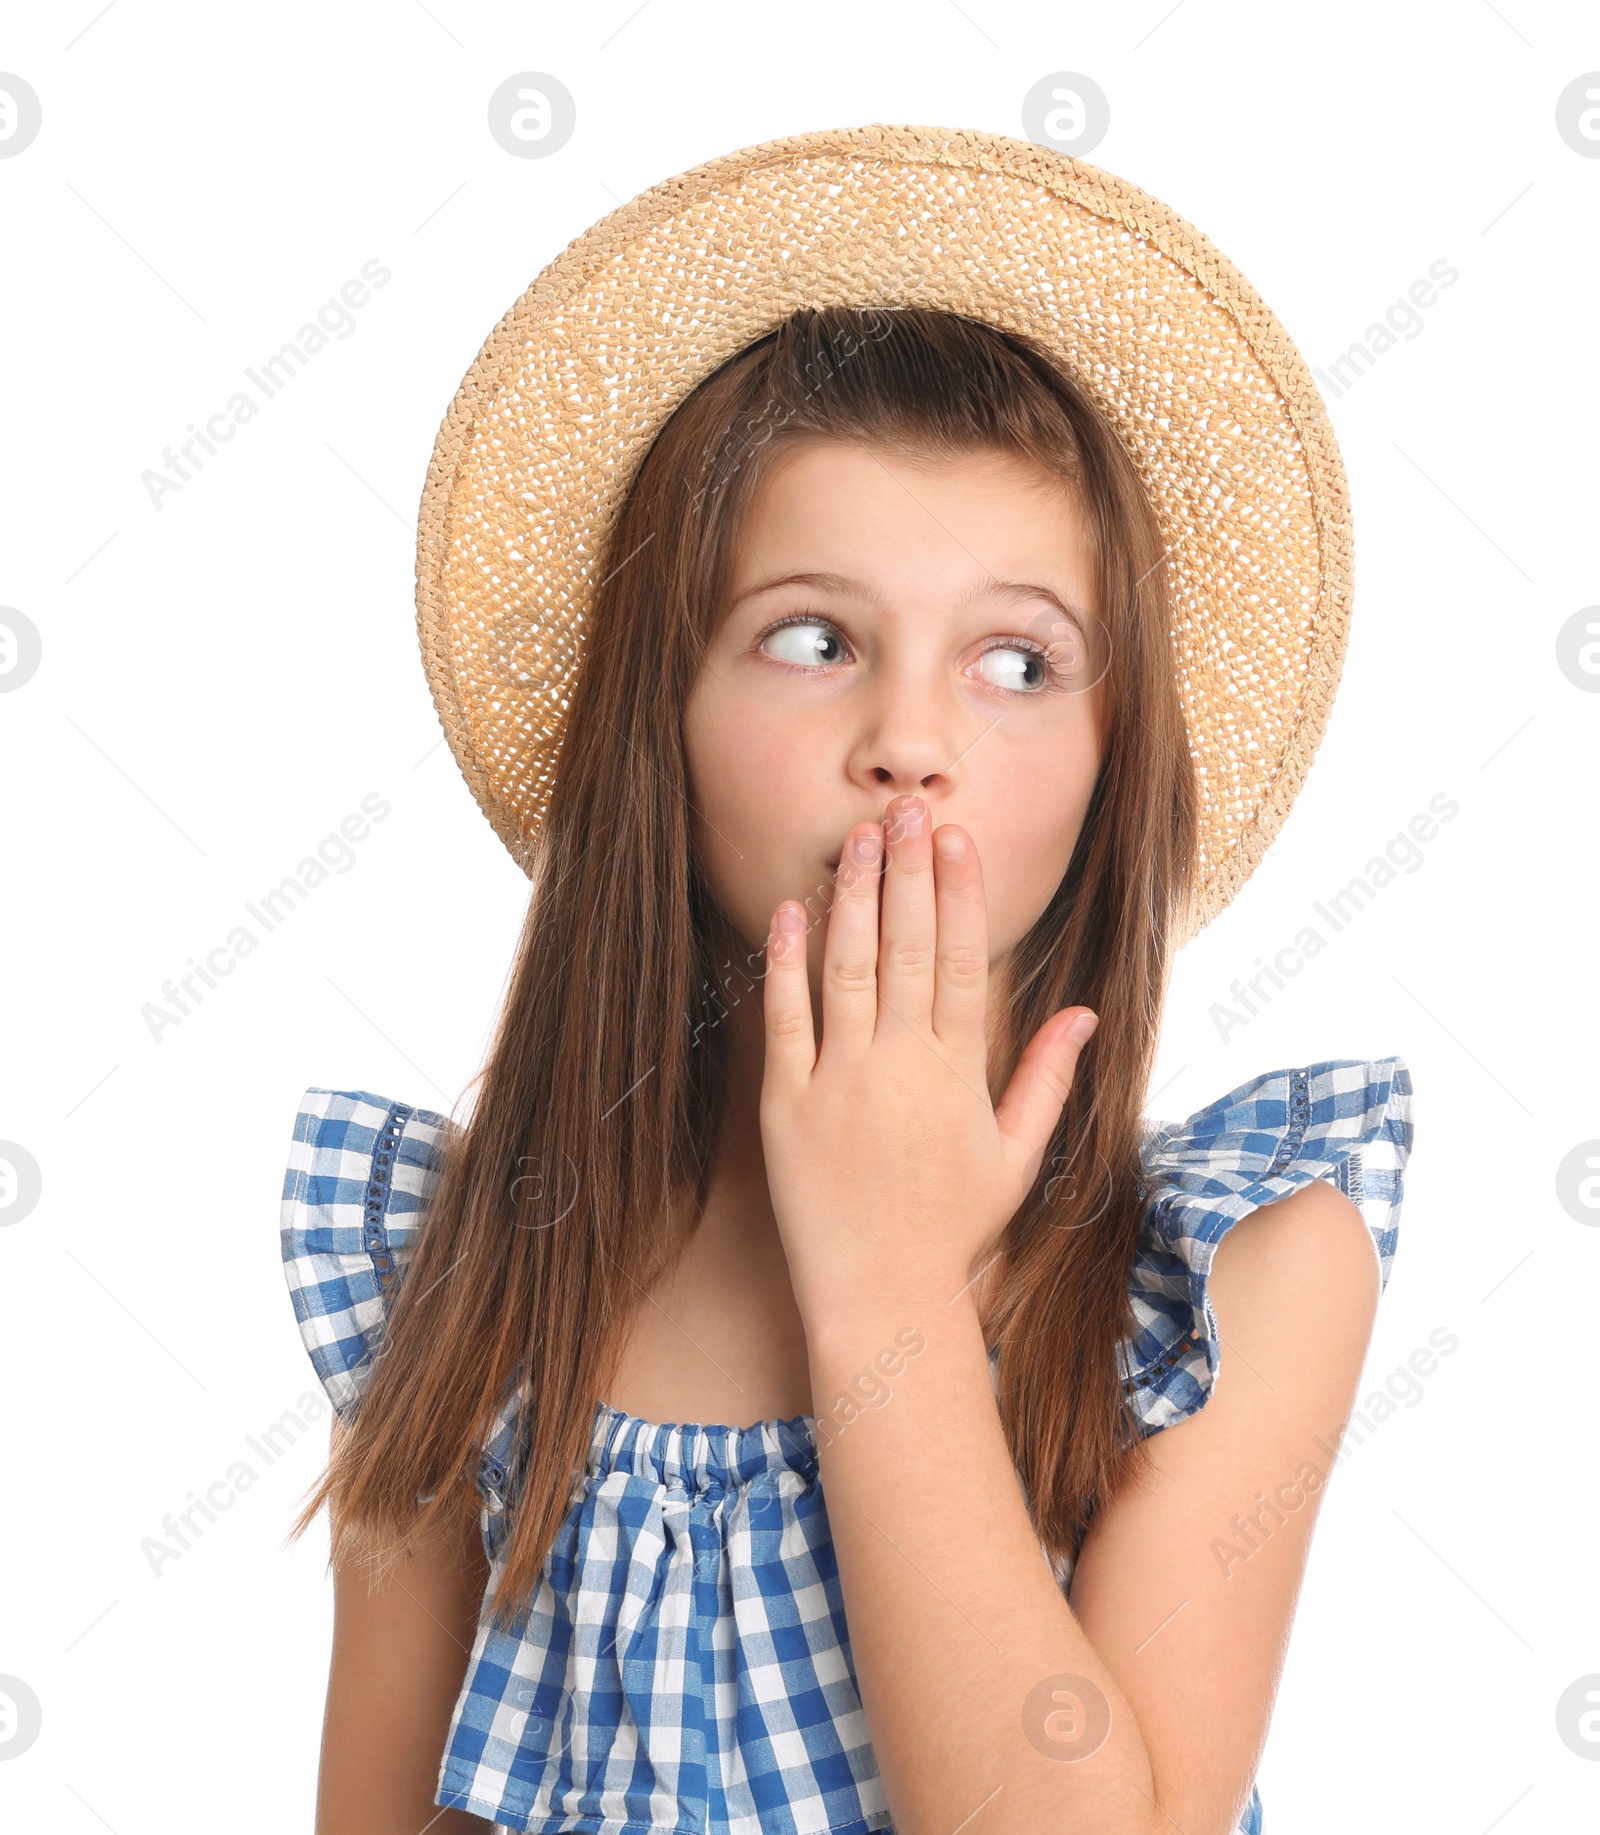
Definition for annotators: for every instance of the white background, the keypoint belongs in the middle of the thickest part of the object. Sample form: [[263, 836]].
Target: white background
[[225, 677]]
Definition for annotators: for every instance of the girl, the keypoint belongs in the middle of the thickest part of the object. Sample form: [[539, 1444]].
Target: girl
[[791, 1401]]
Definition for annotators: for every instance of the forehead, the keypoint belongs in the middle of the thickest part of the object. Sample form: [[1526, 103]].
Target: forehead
[[894, 520]]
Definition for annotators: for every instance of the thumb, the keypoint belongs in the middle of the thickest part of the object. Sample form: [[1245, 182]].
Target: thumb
[[1031, 1107]]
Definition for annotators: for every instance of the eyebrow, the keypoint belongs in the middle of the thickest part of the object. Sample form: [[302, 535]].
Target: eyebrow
[[1033, 589], [1005, 589], [828, 582]]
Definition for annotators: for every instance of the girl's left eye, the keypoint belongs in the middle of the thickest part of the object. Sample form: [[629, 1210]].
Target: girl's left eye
[[807, 641], [1024, 668]]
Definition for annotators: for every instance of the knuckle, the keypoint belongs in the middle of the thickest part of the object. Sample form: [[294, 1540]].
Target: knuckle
[[964, 962], [911, 954], [787, 1025], [852, 976]]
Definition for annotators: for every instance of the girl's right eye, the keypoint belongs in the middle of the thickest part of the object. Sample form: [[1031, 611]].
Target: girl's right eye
[[804, 641]]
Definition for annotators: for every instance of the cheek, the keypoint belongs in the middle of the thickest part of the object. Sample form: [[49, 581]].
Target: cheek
[[753, 794], [1028, 824]]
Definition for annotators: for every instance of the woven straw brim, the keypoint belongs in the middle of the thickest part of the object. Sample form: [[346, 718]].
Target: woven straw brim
[[1199, 379]]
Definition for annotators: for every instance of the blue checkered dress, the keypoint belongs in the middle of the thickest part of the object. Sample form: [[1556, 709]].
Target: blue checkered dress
[[685, 1664]]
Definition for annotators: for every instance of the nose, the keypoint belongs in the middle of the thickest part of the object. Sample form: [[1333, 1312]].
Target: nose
[[911, 738]]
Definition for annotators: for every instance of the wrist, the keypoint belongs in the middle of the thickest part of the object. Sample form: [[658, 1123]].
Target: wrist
[[905, 1345], [861, 1320]]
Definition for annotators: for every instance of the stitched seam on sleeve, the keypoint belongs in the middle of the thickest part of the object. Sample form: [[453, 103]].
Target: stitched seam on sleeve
[[375, 1200], [1299, 1121], [1350, 1176]]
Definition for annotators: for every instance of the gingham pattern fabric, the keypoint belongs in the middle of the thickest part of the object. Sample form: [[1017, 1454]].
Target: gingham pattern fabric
[[1345, 1120], [685, 1662]]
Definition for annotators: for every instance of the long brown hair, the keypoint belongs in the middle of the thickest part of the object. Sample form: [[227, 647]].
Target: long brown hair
[[599, 1097]]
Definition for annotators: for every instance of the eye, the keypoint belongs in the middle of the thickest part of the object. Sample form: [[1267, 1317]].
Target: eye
[[1021, 667], [804, 641]]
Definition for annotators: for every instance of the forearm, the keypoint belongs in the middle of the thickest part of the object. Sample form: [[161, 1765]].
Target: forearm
[[956, 1624], [379, 1770]]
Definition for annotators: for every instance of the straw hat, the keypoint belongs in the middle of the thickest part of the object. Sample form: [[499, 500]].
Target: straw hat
[[1199, 379]]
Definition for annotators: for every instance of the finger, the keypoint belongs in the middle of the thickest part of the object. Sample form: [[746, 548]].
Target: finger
[[1029, 1110], [908, 925], [961, 980], [850, 950], [791, 1051]]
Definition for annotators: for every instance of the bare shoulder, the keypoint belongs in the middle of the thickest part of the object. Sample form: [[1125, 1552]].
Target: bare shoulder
[[1301, 1270]]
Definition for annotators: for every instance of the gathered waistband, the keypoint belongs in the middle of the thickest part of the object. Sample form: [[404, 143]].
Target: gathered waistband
[[697, 1456]]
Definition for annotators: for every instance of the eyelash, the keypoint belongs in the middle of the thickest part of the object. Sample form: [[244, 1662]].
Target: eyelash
[[1055, 685]]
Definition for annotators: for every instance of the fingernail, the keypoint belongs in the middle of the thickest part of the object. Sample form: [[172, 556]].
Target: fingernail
[[947, 843], [1082, 1028], [791, 920], [865, 847]]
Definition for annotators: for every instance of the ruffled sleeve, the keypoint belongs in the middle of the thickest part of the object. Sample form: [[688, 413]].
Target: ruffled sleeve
[[360, 1171], [1347, 1121]]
